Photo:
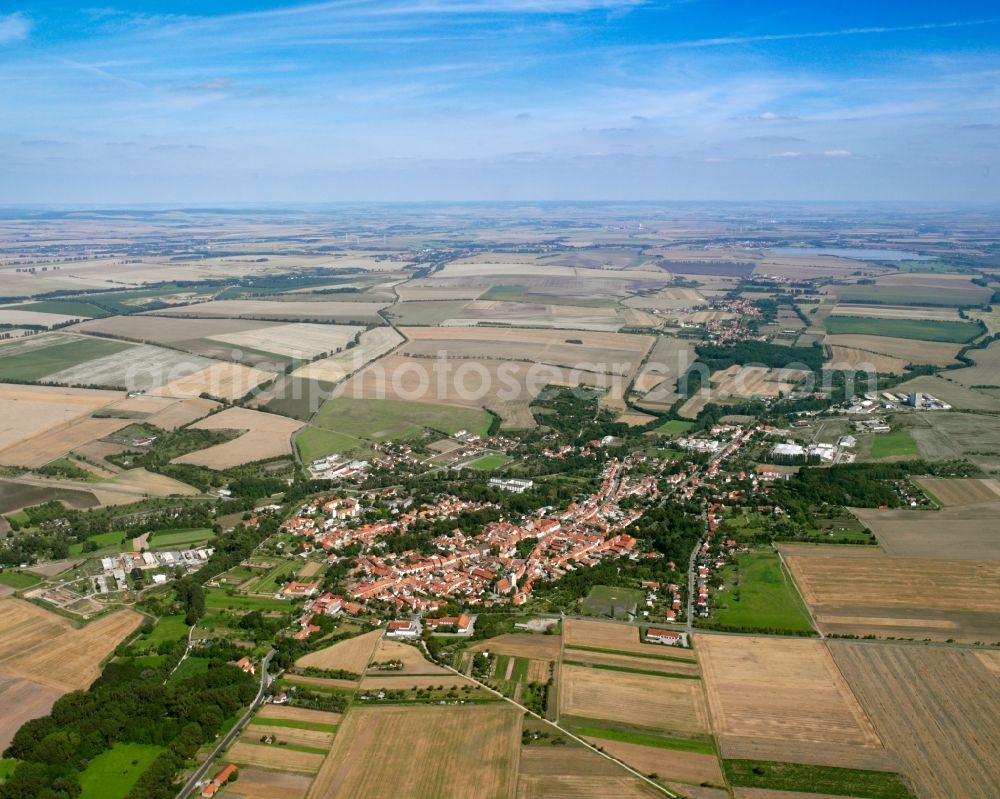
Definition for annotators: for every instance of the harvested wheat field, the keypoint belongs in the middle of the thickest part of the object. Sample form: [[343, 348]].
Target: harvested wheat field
[[961, 491], [937, 710], [609, 635], [418, 752], [27, 411], [896, 312], [292, 311], [961, 532], [278, 758], [505, 387], [658, 703], [254, 783], [626, 662], [755, 381], [37, 645], [903, 597], [142, 367], [42, 657], [574, 772], [57, 441], [267, 435], [298, 714], [522, 645], [350, 655], [767, 793], [322, 682], [22, 700], [224, 380], [669, 764], [374, 344], [316, 739], [585, 350], [412, 658], [936, 353], [786, 697], [850, 359], [182, 412], [300, 341]]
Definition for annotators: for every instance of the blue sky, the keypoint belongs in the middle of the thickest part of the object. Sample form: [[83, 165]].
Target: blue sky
[[195, 102]]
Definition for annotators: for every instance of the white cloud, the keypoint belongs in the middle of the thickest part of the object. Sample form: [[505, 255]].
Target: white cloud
[[836, 153], [14, 27], [787, 154]]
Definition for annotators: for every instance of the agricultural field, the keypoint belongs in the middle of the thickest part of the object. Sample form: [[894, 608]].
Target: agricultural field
[[352, 654], [291, 311], [963, 530], [961, 490], [223, 380], [610, 638], [909, 312], [755, 381], [667, 361], [956, 393], [39, 314], [922, 329], [768, 779], [266, 435], [32, 411], [950, 435], [913, 289], [37, 357], [668, 706], [299, 341], [526, 645], [257, 783], [423, 751], [784, 699], [373, 345], [860, 592], [851, 359], [574, 772], [274, 757], [759, 596], [42, 657], [15, 495], [986, 372], [583, 350], [942, 733], [935, 353]]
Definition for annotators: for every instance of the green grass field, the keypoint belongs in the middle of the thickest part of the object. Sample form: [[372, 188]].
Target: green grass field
[[297, 724], [19, 580], [675, 427], [815, 779], [379, 420], [643, 739], [346, 425], [760, 595], [168, 628], [190, 667], [313, 443], [920, 329], [7, 767], [112, 774], [217, 599], [114, 541], [914, 295], [896, 444], [179, 539], [39, 363], [613, 601], [488, 463], [274, 579]]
